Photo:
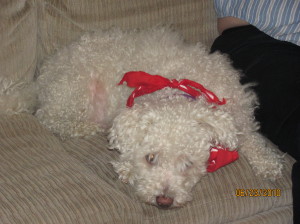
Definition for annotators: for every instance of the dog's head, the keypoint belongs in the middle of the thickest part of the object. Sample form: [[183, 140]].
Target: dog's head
[[165, 148]]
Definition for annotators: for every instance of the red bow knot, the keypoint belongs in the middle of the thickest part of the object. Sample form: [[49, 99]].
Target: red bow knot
[[145, 83], [220, 157]]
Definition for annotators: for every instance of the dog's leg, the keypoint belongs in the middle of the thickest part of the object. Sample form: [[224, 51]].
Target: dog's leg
[[263, 156], [65, 127]]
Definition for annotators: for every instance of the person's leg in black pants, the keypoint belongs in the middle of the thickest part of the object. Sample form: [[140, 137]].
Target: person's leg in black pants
[[275, 68]]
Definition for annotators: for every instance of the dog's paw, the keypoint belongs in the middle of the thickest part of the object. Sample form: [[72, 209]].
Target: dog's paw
[[271, 169], [264, 157], [123, 169]]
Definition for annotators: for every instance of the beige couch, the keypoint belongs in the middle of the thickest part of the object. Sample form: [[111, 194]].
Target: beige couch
[[45, 180]]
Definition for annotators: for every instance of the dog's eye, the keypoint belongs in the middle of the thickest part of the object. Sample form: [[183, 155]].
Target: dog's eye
[[151, 158], [187, 164]]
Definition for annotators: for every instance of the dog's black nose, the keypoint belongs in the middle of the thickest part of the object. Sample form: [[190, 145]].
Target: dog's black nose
[[164, 202]]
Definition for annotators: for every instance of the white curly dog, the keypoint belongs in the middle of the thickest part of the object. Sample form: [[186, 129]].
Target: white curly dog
[[167, 131]]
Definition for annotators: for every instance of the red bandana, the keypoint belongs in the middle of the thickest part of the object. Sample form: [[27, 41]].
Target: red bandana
[[145, 83], [220, 157]]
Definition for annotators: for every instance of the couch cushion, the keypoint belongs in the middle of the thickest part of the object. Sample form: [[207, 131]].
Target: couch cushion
[[63, 21], [18, 38], [41, 183], [215, 197]]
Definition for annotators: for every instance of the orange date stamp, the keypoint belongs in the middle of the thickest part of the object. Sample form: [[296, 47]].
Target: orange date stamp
[[258, 192]]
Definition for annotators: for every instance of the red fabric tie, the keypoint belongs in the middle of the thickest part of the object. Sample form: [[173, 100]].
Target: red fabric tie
[[145, 83], [220, 157]]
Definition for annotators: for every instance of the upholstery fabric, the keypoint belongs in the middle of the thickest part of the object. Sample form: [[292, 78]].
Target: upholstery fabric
[[63, 21], [18, 41], [42, 183]]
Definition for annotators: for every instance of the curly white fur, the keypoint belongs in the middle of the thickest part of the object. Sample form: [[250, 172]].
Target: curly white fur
[[79, 96]]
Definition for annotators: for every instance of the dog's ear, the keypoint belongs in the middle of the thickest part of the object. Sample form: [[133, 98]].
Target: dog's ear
[[221, 126]]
